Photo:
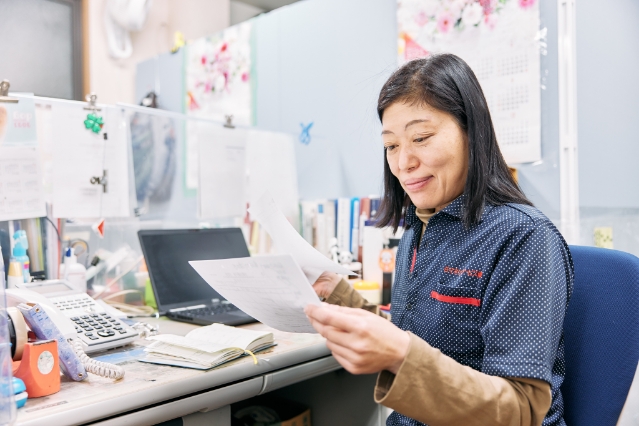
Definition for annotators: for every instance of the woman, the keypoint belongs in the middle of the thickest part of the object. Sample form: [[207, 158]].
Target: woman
[[482, 279]]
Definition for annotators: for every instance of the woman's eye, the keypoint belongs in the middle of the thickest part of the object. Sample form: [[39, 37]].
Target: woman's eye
[[390, 147], [419, 140]]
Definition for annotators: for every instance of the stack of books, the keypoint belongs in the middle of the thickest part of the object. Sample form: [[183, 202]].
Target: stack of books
[[342, 219]]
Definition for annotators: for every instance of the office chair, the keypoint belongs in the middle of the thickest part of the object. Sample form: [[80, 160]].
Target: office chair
[[601, 332]]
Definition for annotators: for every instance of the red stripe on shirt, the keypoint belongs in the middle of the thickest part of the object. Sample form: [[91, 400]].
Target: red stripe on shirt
[[412, 266], [455, 299]]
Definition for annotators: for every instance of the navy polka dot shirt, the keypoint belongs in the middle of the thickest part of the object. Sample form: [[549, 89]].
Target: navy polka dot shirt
[[492, 297]]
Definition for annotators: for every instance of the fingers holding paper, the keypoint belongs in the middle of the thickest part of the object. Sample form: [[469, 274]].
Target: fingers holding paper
[[362, 342], [325, 284]]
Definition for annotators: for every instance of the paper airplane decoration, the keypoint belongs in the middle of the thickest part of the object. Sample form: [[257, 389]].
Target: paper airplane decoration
[[98, 228]]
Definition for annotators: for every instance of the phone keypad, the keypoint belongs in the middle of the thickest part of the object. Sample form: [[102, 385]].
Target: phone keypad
[[98, 327]]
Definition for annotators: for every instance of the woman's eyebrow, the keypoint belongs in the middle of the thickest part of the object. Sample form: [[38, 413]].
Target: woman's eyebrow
[[410, 123], [387, 132]]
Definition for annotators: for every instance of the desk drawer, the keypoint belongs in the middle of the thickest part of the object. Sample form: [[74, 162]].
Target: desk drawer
[[299, 373], [205, 401]]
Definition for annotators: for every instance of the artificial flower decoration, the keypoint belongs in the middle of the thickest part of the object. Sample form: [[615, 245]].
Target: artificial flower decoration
[[94, 123]]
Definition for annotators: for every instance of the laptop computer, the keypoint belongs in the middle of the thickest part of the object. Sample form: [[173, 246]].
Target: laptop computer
[[180, 292]]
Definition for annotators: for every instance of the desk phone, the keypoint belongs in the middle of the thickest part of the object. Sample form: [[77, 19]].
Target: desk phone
[[76, 314]]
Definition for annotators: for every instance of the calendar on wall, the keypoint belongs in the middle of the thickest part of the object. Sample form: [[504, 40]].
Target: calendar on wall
[[499, 39]]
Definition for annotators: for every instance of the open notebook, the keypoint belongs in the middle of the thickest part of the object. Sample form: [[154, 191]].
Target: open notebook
[[206, 347]]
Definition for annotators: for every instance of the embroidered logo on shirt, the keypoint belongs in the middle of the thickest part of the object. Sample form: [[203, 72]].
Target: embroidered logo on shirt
[[456, 271]]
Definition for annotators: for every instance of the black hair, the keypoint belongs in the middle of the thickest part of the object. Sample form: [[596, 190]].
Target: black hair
[[446, 83]]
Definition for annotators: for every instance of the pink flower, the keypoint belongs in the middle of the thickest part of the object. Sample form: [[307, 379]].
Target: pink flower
[[525, 4], [488, 5], [245, 77], [444, 22], [203, 60], [421, 19], [490, 21]]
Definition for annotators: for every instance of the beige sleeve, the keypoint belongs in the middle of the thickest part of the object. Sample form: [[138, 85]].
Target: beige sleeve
[[345, 295], [433, 388]]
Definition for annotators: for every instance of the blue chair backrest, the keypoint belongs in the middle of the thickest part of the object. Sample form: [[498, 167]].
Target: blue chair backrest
[[602, 336]]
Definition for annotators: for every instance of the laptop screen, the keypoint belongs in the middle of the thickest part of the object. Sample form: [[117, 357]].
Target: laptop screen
[[168, 252]]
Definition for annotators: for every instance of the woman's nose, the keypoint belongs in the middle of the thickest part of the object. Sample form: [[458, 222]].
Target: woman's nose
[[407, 158]]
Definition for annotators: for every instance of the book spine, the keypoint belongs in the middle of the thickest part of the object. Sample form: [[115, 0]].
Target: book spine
[[344, 223], [375, 202], [354, 243], [320, 230], [308, 216], [255, 238], [364, 215], [331, 223]]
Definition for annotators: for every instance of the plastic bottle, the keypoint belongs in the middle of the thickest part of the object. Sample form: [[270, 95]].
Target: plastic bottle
[[7, 398], [20, 255], [20, 236], [73, 272], [15, 277]]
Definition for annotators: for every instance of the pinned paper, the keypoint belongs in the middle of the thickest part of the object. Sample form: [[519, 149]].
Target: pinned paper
[[77, 191], [21, 194], [222, 172]]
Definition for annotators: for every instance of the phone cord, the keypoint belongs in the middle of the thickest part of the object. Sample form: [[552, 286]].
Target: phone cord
[[99, 368]]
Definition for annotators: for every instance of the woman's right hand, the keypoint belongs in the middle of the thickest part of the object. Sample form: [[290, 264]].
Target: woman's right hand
[[326, 283]]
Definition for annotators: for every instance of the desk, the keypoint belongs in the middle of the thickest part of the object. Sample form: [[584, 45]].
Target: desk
[[151, 393]]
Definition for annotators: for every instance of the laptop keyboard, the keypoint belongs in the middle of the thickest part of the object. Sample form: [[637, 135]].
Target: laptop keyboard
[[209, 310]]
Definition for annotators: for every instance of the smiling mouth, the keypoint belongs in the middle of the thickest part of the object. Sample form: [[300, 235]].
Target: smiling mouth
[[417, 184]]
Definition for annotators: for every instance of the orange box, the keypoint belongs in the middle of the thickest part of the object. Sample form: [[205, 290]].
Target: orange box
[[304, 419]]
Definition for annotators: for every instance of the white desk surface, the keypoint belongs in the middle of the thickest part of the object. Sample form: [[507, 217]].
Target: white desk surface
[[146, 384]]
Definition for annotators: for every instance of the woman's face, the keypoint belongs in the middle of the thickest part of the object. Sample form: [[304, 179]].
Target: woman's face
[[427, 151]]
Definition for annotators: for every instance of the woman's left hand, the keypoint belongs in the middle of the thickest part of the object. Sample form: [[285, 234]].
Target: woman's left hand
[[361, 341]]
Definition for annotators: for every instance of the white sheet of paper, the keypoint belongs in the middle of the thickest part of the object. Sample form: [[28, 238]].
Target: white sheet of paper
[[20, 175], [272, 289], [271, 166], [287, 240], [81, 154], [118, 200], [222, 171]]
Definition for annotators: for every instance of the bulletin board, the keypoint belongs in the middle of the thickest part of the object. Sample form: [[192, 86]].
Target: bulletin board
[[304, 71]]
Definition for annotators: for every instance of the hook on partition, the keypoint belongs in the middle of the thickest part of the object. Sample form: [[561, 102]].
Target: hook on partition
[[4, 93], [229, 122], [92, 99]]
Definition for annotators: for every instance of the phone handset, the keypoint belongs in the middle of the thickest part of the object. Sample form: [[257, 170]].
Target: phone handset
[[74, 362], [99, 368]]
